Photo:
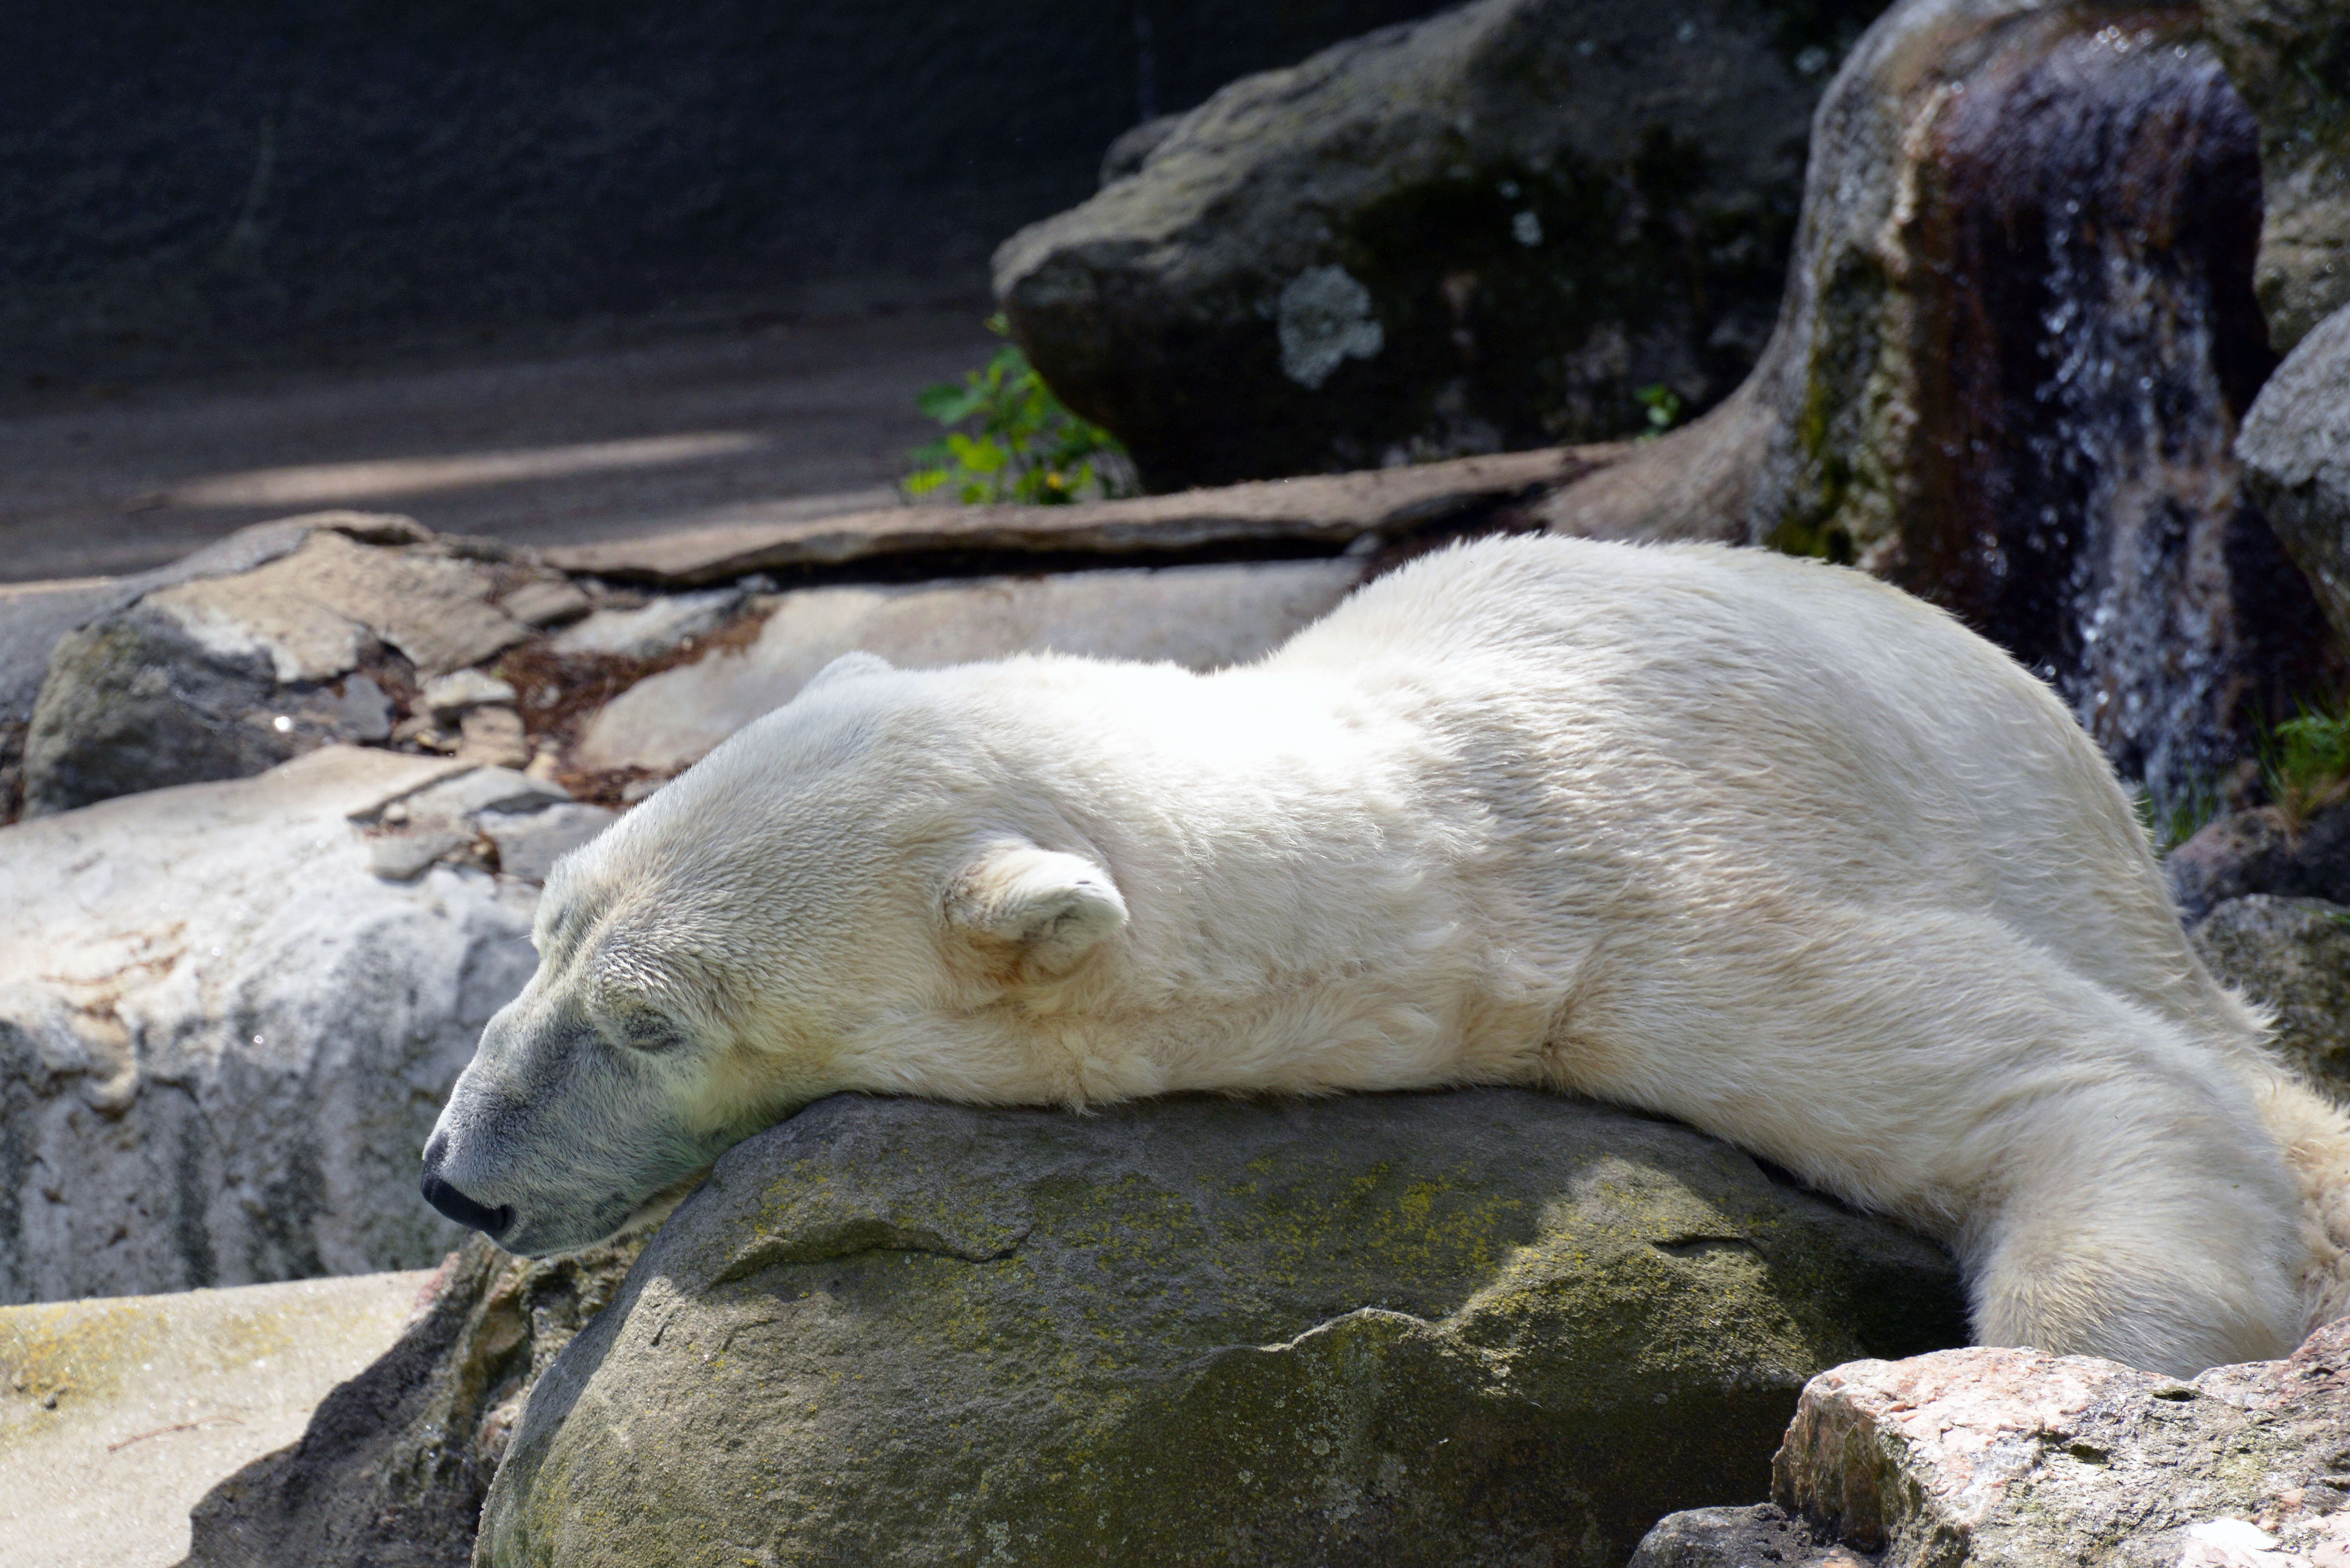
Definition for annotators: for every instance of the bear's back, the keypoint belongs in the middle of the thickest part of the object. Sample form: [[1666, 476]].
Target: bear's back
[[1734, 713]]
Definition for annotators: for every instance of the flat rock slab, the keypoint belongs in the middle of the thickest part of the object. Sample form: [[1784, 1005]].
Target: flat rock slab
[[117, 1415], [1202, 617], [1303, 516], [1471, 1329]]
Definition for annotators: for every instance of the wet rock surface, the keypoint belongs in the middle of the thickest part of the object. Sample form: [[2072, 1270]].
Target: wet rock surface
[[1482, 231], [2291, 955], [229, 1013], [1473, 1328], [2290, 60], [2019, 337], [392, 1467], [2295, 448], [1985, 1456]]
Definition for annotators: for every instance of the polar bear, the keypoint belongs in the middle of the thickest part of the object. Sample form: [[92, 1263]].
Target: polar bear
[[1755, 843]]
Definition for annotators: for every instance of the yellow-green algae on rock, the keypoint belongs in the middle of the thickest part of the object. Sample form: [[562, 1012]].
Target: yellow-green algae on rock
[[1469, 1328]]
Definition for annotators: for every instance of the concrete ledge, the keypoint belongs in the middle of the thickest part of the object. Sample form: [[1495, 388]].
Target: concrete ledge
[[117, 1415]]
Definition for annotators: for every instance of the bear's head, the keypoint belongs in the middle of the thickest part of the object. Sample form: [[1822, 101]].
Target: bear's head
[[844, 895]]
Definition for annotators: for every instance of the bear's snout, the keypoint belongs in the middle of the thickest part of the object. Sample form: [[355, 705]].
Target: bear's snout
[[443, 1195]]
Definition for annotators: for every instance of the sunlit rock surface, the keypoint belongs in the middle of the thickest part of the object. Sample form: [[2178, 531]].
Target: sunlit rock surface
[[1477, 1328], [1985, 1456], [220, 676], [229, 1013], [118, 1415]]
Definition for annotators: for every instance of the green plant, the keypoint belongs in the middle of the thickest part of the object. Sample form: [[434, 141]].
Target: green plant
[[1664, 406], [2177, 818], [1019, 443], [2305, 763]]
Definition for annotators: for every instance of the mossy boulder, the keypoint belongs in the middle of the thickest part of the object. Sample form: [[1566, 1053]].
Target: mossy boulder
[[1482, 231], [1468, 1328]]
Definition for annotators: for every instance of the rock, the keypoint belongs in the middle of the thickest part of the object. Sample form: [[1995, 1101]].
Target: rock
[[224, 1037], [1196, 615], [2259, 851], [546, 601], [1478, 232], [650, 630], [1474, 1328], [392, 1467], [115, 1416], [2296, 455], [1288, 517], [1989, 1456], [492, 738], [2291, 955], [220, 677], [448, 696], [1125, 155], [1761, 1536], [2018, 334], [457, 820], [2290, 60], [530, 843], [33, 617]]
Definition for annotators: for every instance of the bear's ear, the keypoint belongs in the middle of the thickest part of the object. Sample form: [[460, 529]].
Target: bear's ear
[[846, 666], [1053, 908]]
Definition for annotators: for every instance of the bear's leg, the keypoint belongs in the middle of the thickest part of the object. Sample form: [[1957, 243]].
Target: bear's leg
[[2096, 1248], [2127, 1199], [2103, 1172]]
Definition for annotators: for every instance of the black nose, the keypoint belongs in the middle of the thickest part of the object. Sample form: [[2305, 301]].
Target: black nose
[[490, 1222]]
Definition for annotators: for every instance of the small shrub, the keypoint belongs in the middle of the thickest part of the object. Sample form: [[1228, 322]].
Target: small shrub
[[2305, 762], [1664, 407], [2173, 821], [1016, 442]]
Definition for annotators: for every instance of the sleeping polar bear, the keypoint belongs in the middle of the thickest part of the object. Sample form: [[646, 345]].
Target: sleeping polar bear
[[1755, 843]]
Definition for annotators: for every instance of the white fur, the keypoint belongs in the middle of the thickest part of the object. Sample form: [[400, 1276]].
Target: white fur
[[1755, 843]]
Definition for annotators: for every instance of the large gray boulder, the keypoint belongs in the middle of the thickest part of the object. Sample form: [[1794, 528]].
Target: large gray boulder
[[1475, 1328], [1987, 1456], [1481, 230], [2295, 448], [229, 1011], [2290, 60], [2020, 333]]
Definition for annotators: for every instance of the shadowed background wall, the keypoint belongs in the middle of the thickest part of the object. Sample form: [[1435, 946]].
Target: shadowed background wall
[[200, 186]]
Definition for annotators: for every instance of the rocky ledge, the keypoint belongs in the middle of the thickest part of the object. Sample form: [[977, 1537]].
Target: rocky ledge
[[1986, 1455]]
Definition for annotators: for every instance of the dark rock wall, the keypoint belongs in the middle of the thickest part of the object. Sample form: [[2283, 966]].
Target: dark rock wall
[[234, 180]]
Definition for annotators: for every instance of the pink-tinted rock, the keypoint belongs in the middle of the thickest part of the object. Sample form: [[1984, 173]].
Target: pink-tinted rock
[[1991, 1455]]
